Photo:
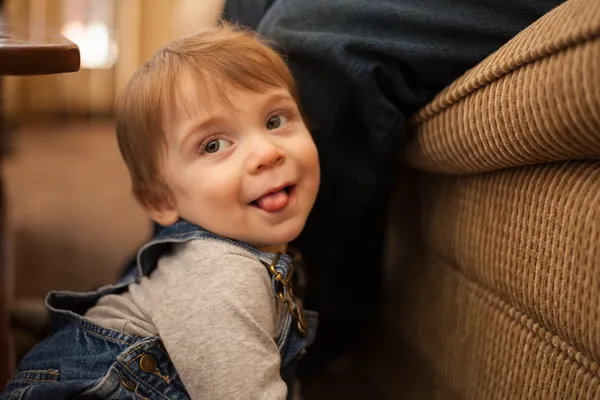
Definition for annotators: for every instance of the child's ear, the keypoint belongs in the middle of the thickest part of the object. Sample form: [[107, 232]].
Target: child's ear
[[158, 206]]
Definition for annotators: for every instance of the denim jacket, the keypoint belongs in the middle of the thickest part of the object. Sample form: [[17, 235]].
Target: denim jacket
[[83, 360]]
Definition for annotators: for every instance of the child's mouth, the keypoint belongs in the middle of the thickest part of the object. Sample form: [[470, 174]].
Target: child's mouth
[[275, 201]]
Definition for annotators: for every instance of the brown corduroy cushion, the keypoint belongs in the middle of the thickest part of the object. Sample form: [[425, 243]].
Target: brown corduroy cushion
[[535, 100], [495, 291], [450, 338], [502, 298], [530, 236]]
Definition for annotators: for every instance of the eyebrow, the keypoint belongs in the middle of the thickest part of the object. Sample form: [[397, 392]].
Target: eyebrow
[[277, 97]]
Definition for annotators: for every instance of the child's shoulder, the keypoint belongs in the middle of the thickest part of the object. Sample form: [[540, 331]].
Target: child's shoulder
[[201, 250], [210, 256]]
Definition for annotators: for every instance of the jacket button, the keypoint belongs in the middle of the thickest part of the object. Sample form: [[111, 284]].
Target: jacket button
[[128, 384], [148, 363]]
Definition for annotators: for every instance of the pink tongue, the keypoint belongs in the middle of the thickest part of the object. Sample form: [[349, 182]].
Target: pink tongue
[[274, 201]]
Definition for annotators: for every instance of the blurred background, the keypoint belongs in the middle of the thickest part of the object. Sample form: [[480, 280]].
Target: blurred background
[[72, 219]]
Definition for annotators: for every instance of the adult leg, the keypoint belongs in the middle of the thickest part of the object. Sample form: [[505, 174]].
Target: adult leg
[[246, 12], [363, 67]]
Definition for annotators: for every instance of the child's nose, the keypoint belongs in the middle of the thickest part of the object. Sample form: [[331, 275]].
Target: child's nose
[[265, 155]]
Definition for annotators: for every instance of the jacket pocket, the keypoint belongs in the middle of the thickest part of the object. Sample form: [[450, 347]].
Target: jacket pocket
[[35, 376], [20, 387]]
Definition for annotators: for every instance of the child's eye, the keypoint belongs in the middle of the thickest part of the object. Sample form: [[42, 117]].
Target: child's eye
[[276, 121], [214, 145]]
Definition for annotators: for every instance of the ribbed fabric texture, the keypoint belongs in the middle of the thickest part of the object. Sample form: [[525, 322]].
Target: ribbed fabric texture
[[495, 288], [530, 235], [535, 100], [450, 338], [500, 296]]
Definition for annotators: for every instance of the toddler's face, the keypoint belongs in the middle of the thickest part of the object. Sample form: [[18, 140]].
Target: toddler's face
[[248, 170]]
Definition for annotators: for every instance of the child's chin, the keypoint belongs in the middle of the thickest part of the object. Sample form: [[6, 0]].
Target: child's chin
[[284, 236]]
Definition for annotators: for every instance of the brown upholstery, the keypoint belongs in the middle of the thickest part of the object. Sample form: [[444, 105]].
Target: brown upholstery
[[536, 100], [495, 262]]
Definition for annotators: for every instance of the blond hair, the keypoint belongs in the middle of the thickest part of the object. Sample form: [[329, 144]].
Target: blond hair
[[217, 57]]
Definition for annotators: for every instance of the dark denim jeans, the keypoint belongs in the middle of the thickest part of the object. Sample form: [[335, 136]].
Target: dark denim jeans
[[363, 67]]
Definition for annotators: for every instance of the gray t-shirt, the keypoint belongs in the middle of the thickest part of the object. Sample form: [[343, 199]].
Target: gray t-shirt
[[212, 305]]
